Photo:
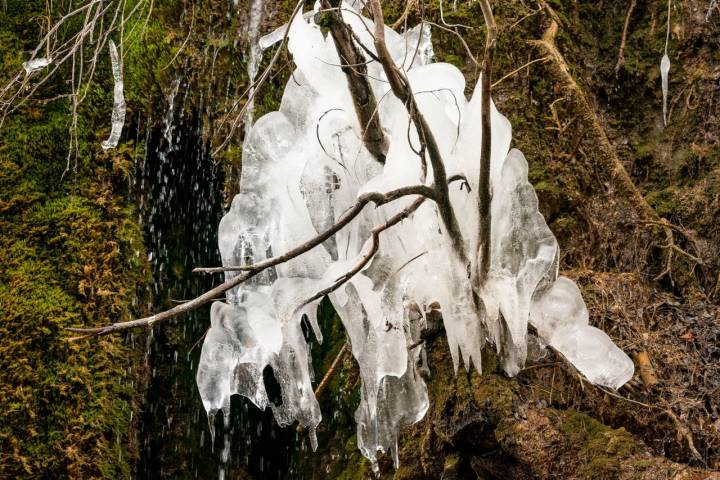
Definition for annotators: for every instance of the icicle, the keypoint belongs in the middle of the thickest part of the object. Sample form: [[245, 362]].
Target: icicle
[[713, 6], [36, 64], [665, 69], [118, 112], [277, 35]]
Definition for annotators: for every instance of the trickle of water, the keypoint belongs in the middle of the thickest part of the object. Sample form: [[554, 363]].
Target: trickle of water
[[211, 425]]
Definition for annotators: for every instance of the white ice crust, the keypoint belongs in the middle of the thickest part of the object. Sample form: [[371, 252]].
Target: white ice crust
[[32, 66], [303, 167]]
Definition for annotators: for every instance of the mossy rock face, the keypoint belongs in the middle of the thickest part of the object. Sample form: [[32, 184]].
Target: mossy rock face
[[72, 254]]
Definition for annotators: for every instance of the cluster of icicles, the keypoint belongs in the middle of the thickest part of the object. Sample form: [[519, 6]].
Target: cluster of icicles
[[303, 167]]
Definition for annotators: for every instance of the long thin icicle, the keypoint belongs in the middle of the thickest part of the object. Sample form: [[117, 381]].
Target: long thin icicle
[[118, 113], [665, 69]]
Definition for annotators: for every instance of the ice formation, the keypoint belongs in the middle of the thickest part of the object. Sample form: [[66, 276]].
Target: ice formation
[[118, 112], [711, 8], [36, 64], [303, 167], [665, 69], [664, 74]]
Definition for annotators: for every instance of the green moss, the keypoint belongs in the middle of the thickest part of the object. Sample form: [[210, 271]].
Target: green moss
[[604, 449], [665, 202], [72, 255]]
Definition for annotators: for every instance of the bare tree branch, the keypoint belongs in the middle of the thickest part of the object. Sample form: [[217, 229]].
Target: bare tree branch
[[623, 40], [333, 367], [484, 195], [375, 245]]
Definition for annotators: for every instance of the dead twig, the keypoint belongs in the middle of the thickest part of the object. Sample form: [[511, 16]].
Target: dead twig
[[517, 70], [623, 40]]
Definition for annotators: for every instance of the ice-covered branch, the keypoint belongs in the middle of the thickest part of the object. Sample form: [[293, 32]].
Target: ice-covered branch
[[355, 69], [401, 88], [374, 246], [250, 271], [484, 194]]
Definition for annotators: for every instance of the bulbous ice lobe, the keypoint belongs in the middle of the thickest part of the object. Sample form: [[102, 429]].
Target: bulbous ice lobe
[[303, 167]]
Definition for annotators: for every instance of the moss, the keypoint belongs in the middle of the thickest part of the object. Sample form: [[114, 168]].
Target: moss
[[605, 450], [72, 255], [665, 202]]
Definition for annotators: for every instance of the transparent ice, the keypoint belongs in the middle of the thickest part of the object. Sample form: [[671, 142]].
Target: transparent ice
[[303, 167], [665, 68], [118, 112], [664, 74]]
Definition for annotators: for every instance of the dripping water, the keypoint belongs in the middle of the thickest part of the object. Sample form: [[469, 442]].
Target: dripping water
[[179, 193]]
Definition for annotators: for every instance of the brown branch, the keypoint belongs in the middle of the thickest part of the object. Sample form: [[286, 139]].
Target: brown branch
[[428, 192], [376, 198], [331, 371], [403, 18], [505, 77], [623, 40], [394, 220], [484, 195], [614, 167]]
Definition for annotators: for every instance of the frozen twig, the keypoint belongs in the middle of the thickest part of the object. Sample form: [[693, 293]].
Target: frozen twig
[[355, 68], [374, 246]]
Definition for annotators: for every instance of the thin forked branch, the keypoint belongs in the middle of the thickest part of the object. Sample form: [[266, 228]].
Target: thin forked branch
[[374, 247]]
